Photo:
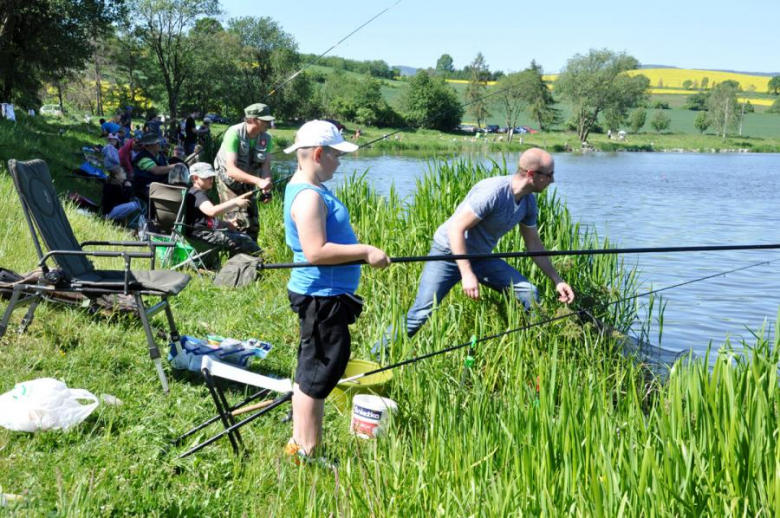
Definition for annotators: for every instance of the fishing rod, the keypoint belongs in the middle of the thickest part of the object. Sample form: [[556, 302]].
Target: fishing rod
[[472, 343], [540, 253], [312, 62]]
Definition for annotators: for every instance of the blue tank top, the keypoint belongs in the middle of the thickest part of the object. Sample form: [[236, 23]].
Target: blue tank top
[[323, 281]]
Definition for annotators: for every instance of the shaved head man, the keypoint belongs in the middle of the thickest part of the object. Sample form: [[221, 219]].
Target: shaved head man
[[492, 208]]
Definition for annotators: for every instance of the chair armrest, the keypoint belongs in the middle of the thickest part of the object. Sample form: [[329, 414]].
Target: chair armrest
[[127, 256], [116, 243], [142, 255]]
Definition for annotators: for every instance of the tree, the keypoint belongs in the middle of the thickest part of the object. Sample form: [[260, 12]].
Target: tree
[[660, 121], [210, 85], [510, 99], [696, 102], [687, 84], [595, 83], [773, 87], [359, 100], [743, 109], [476, 89], [705, 81], [723, 107], [445, 65], [269, 64], [48, 39], [430, 103], [701, 122], [637, 119], [775, 108], [163, 27], [539, 99]]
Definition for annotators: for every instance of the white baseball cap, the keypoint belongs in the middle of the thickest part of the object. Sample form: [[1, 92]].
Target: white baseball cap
[[320, 133]]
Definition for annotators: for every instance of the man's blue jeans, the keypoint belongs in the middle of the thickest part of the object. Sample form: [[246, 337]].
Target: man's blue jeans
[[439, 277]]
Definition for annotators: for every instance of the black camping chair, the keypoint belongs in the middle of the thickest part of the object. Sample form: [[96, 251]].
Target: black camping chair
[[213, 370], [74, 272]]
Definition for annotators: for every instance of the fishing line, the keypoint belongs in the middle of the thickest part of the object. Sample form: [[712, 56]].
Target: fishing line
[[541, 253], [473, 342], [296, 74]]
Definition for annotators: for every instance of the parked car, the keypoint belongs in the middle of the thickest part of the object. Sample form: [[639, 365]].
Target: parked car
[[217, 118], [468, 128], [51, 110], [491, 128], [525, 129]]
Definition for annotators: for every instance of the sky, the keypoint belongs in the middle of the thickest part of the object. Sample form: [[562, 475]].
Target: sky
[[705, 34]]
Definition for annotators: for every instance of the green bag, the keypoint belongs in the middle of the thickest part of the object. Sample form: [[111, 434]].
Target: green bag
[[239, 270]]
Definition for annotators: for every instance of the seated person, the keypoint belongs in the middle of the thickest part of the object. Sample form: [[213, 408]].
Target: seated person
[[149, 165], [118, 200], [178, 155], [127, 152], [110, 152], [201, 214]]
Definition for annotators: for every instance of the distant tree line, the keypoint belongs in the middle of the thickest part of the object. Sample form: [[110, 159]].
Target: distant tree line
[[375, 68]]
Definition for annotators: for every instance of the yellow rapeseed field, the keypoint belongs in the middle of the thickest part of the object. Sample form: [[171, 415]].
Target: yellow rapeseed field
[[670, 81], [674, 78]]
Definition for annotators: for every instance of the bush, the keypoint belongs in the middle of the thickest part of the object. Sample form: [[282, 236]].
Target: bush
[[660, 105], [660, 122]]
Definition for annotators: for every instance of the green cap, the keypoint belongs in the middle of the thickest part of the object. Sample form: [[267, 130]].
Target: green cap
[[259, 111]]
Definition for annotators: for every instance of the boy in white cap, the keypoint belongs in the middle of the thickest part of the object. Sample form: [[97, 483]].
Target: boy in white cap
[[318, 230], [201, 214]]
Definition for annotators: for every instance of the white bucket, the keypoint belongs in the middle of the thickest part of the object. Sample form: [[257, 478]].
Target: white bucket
[[371, 415]]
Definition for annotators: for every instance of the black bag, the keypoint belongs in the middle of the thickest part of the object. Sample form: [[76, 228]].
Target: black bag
[[239, 270]]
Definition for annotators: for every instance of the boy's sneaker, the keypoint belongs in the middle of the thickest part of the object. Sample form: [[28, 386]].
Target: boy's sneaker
[[300, 457]]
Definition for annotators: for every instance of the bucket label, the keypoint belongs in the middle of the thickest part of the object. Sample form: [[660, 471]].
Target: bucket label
[[365, 429], [367, 413]]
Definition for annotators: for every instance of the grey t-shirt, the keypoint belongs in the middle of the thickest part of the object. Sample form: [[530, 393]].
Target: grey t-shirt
[[493, 202]]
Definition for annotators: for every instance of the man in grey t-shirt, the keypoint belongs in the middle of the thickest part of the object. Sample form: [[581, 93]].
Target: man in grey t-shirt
[[491, 209]]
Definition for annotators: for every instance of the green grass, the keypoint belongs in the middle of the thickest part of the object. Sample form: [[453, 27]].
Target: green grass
[[550, 421]]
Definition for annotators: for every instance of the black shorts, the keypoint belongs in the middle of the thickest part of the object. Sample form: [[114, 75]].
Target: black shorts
[[325, 342]]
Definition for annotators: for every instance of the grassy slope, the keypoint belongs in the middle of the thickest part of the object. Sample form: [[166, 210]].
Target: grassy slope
[[550, 422]]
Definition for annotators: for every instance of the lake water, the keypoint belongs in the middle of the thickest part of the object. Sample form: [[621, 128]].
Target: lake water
[[663, 200]]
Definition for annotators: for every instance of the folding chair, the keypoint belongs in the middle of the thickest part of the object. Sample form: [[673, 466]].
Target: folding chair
[[166, 217], [74, 272], [212, 370]]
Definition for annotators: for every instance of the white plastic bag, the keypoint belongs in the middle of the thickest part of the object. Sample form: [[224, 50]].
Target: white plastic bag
[[44, 404]]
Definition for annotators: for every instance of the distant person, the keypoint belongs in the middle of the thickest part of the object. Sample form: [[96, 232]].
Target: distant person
[[149, 165], [127, 152], [109, 127], [154, 125], [491, 209], [126, 118], [118, 202], [202, 215], [110, 152], [243, 165], [190, 139]]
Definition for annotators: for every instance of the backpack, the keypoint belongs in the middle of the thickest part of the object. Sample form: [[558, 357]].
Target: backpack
[[239, 270]]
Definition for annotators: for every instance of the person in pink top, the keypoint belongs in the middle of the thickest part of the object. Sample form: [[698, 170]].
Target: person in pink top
[[126, 153]]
